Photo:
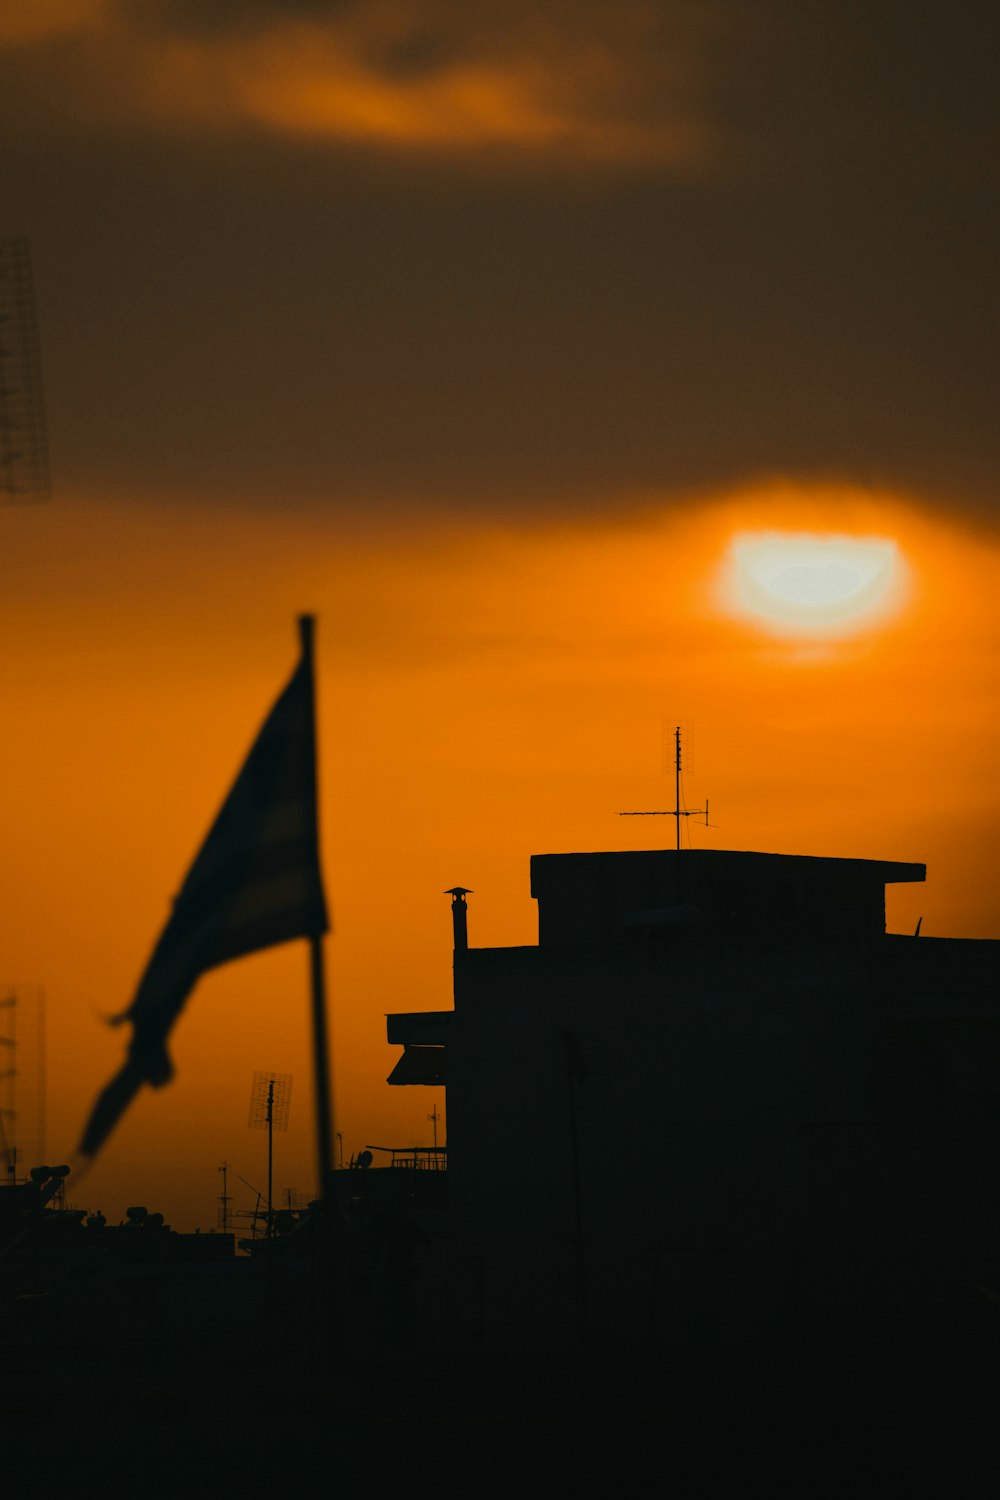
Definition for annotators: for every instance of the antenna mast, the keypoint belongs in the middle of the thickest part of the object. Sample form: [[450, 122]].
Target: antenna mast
[[269, 1101], [224, 1199], [677, 812], [677, 784], [22, 1078]]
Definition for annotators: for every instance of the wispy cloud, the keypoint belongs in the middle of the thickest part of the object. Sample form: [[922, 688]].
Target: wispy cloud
[[588, 80]]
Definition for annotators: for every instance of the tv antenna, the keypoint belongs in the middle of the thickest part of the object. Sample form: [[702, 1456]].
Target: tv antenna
[[24, 449], [253, 1214], [22, 1079], [225, 1199], [270, 1097], [677, 812]]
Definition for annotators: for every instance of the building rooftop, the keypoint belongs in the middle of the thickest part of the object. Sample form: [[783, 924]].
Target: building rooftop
[[613, 895]]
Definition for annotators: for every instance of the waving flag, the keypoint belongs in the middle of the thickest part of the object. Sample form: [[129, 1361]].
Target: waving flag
[[254, 882]]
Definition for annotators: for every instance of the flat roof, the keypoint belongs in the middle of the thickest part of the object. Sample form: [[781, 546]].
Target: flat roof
[[888, 872], [419, 1028]]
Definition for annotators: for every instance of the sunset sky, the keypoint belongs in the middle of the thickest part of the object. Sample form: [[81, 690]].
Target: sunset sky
[[586, 368]]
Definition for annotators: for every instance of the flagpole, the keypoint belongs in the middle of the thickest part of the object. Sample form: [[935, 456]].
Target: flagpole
[[317, 973], [324, 1112]]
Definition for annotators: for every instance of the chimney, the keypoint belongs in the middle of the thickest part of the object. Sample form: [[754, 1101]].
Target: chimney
[[459, 915]]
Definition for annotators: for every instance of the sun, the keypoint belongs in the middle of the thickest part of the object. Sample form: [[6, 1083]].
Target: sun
[[812, 585]]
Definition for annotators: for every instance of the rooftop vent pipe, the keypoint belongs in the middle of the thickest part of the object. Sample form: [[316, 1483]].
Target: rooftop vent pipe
[[459, 916]]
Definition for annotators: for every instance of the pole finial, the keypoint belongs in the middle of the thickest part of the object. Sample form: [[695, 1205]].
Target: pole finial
[[307, 633]]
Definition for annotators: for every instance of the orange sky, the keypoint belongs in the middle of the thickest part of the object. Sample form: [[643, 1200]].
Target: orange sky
[[478, 331], [484, 694]]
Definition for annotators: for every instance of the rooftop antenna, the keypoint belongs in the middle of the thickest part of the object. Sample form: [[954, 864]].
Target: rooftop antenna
[[252, 1213], [270, 1097], [224, 1199], [434, 1117], [676, 812], [22, 1078]]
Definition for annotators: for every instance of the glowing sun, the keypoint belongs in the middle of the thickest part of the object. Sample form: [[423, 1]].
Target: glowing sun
[[813, 584]]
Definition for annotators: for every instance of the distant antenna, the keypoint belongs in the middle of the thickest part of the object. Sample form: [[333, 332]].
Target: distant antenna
[[434, 1117], [24, 449], [270, 1098], [224, 1199], [253, 1214], [676, 811], [22, 1080]]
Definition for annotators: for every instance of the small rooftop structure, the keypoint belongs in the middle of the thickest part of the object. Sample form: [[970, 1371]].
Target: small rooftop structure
[[586, 898], [716, 1112], [424, 1035]]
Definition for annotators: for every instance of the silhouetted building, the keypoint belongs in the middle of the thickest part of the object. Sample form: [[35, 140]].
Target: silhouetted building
[[716, 1110]]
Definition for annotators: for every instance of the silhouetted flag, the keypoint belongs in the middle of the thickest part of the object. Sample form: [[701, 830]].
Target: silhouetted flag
[[255, 882]]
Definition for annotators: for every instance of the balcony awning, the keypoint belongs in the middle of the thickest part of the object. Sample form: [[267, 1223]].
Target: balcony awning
[[426, 1065]]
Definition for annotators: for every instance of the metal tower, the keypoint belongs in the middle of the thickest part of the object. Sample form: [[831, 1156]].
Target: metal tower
[[22, 1080]]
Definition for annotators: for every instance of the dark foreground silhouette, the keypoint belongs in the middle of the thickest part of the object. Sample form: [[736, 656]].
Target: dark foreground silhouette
[[719, 1207]]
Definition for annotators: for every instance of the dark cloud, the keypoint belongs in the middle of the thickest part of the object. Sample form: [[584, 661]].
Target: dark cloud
[[407, 45], [416, 55], [246, 314], [227, 17], [584, 82], [893, 89]]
